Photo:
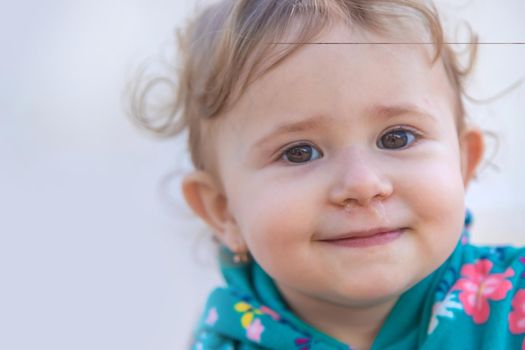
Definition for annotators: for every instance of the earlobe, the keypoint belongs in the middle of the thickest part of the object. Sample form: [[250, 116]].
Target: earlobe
[[472, 149], [206, 198]]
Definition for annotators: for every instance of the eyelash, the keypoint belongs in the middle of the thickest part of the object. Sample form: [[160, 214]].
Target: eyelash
[[282, 154], [415, 134], [415, 137]]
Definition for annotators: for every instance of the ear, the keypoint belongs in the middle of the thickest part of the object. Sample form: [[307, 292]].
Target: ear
[[472, 148], [206, 198]]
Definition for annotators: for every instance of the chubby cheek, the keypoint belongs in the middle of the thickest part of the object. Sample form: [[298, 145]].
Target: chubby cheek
[[277, 221], [437, 200]]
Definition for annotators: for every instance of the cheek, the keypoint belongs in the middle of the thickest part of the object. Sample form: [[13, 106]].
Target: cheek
[[272, 219], [434, 179], [437, 200], [438, 187]]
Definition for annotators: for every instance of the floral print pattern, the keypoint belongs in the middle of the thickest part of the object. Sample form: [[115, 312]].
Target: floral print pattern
[[248, 312], [254, 327], [254, 330], [443, 309], [517, 315], [212, 317], [477, 286], [478, 302], [303, 343]]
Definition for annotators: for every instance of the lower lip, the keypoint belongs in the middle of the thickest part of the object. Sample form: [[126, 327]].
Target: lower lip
[[360, 242]]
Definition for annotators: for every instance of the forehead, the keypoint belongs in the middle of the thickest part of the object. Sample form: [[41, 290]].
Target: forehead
[[344, 72], [344, 57]]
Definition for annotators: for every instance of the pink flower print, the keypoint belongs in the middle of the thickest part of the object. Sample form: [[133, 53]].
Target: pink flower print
[[517, 316], [477, 286], [212, 317], [254, 330], [303, 343], [268, 311]]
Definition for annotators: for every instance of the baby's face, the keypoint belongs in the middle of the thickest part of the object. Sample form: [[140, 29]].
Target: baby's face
[[342, 169]]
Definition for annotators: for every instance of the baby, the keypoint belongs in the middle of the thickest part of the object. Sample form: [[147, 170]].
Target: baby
[[331, 157]]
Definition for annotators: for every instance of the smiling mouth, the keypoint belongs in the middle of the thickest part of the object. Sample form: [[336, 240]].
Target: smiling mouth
[[365, 238]]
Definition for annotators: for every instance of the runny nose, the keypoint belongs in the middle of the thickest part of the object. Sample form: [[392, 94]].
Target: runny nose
[[359, 180]]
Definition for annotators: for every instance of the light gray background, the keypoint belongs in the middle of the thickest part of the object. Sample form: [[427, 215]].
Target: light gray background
[[91, 257]]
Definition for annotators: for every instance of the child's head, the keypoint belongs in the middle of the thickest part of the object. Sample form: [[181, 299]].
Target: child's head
[[232, 43], [340, 166]]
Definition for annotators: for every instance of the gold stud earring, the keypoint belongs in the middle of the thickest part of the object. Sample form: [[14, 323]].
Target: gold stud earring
[[240, 257]]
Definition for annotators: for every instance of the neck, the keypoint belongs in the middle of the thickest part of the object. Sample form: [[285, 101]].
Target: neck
[[355, 325]]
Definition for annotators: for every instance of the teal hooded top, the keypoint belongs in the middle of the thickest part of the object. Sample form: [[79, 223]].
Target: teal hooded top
[[475, 300]]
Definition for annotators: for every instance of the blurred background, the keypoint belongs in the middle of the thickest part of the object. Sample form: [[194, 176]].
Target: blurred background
[[95, 253]]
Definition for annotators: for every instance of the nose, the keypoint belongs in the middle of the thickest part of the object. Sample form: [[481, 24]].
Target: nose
[[359, 180]]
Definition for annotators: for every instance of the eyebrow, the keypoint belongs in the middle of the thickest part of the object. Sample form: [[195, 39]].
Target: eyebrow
[[389, 111], [320, 121], [315, 122]]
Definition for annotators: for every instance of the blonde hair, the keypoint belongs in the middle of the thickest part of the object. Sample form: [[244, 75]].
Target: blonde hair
[[233, 42]]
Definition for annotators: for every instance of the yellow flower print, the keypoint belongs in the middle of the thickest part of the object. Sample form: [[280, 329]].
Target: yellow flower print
[[248, 312]]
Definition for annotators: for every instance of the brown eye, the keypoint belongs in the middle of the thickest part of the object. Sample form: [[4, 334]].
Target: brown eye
[[396, 139], [300, 154]]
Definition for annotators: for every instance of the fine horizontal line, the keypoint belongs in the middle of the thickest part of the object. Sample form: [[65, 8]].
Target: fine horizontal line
[[398, 43]]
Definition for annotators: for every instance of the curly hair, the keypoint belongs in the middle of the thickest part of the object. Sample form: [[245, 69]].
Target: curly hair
[[231, 43]]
